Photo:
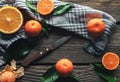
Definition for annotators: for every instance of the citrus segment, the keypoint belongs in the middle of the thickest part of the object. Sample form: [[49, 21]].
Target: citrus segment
[[110, 61], [45, 7], [11, 19]]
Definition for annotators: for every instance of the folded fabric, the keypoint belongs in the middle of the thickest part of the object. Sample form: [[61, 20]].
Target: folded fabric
[[73, 20]]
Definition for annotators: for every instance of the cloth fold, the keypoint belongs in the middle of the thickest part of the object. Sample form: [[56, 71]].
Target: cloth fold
[[74, 20]]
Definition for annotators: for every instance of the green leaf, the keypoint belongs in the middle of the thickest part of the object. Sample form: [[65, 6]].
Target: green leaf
[[76, 78], [17, 50], [61, 9], [30, 6], [103, 73], [50, 76], [44, 27]]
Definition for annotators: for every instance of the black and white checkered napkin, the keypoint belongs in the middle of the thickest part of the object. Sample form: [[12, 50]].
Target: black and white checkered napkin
[[74, 20]]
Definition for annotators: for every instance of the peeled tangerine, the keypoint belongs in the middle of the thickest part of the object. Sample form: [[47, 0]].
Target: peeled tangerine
[[9, 73], [8, 76]]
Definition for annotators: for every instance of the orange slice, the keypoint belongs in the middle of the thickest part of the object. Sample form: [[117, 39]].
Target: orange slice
[[11, 19], [45, 7], [110, 61]]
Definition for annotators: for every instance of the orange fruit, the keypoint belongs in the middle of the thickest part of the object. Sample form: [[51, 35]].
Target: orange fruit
[[11, 19], [95, 27], [33, 28], [64, 67], [110, 61], [45, 7], [8, 76]]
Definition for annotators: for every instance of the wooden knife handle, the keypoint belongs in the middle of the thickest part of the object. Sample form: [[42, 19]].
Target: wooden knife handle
[[31, 57]]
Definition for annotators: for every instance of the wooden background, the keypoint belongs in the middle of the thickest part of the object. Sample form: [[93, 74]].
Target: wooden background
[[73, 49]]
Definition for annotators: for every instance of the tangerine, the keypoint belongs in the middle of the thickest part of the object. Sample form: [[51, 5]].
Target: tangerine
[[110, 61], [45, 7], [95, 27], [33, 28], [11, 19], [64, 67]]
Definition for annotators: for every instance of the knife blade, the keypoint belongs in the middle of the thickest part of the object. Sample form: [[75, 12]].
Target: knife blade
[[31, 57]]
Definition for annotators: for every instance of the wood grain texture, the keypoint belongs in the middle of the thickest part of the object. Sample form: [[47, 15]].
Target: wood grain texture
[[85, 73], [73, 49]]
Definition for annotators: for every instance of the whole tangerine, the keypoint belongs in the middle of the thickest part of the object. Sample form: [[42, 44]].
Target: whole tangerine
[[33, 28], [95, 27], [64, 67]]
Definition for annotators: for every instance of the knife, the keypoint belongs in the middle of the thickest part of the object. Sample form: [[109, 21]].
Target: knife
[[31, 57]]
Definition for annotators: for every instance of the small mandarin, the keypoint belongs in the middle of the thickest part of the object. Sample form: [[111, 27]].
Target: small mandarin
[[33, 28], [95, 27], [64, 67]]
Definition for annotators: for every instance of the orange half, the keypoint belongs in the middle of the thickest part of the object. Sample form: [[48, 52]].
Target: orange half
[[11, 19], [45, 7], [110, 61]]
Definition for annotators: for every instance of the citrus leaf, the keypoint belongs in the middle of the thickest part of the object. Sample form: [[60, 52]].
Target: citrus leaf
[[50, 76], [76, 78], [17, 50], [45, 31], [44, 27], [61, 9], [30, 6], [103, 73]]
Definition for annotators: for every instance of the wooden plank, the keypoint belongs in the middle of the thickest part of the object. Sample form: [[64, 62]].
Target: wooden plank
[[85, 73]]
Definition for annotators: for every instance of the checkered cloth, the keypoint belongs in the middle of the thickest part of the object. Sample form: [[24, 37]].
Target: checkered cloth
[[74, 20]]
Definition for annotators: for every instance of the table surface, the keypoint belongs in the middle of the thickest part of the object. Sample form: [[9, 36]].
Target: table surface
[[73, 48]]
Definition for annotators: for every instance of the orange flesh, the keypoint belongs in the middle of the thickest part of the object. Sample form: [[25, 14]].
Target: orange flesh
[[10, 20], [45, 7], [110, 61]]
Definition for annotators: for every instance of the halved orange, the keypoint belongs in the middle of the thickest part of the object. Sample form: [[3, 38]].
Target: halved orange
[[11, 19], [45, 7], [110, 61]]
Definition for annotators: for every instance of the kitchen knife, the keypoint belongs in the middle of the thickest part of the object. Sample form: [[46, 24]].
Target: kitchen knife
[[31, 57]]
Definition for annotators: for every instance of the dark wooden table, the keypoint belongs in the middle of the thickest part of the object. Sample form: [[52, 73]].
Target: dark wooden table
[[73, 49]]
